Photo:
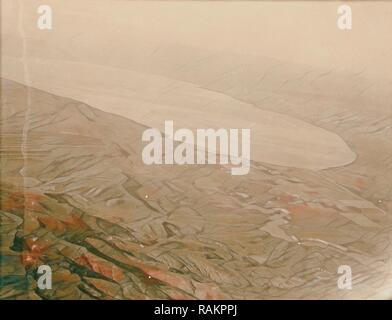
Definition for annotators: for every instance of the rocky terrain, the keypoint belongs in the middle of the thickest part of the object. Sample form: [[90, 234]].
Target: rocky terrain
[[76, 196]]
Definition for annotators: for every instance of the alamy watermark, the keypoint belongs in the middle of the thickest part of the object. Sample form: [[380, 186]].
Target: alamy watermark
[[45, 18], [345, 19], [202, 149], [345, 280], [45, 279]]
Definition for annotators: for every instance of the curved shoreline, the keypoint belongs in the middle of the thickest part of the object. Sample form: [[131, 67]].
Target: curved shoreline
[[150, 100]]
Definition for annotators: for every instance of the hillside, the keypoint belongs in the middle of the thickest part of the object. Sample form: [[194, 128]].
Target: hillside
[[75, 195]]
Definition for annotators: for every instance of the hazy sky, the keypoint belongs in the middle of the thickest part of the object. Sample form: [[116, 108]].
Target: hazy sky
[[291, 30]]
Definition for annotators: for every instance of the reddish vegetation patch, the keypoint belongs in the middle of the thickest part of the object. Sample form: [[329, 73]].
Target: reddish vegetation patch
[[29, 259], [52, 224], [75, 222], [304, 214], [32, 255], [22, 201], [178, 286], [102, 267], [286, 198]]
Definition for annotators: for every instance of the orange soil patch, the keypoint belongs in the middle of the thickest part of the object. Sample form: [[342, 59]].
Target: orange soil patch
[[74, 222], [32, 255], [105, 268], [303, 214], [52, 224], [22, 201]]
